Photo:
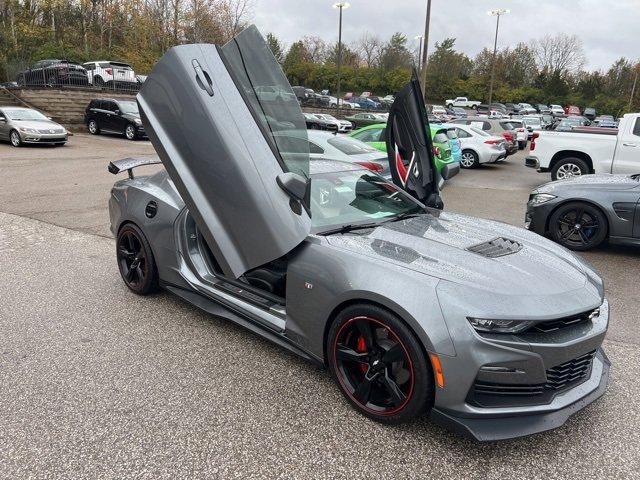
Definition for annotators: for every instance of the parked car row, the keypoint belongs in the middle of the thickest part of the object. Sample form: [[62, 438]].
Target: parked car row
[[62, 72]]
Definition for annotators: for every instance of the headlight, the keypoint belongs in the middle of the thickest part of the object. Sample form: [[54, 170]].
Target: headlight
[[28, 130], [138, 121], [499, 326], [540, 198]]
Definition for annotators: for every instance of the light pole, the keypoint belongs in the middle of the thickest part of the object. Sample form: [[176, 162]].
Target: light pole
[[424, 51], [495, 13], [420, 38], [340, 6]]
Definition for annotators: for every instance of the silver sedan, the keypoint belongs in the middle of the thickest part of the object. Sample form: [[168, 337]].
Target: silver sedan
[[22, 126], [479, 147]]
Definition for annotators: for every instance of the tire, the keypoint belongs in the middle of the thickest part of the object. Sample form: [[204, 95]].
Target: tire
[[130, 132], [314, 126], [578, 226], [14, 138], [389, 391], [98, 81], [93, 127], [469, 159], [474, 107], [450, 105], [135, 260], [569, 167]]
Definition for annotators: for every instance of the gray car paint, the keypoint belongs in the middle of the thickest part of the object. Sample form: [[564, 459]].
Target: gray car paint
[[617, 196], [419, 268], [54, 132]]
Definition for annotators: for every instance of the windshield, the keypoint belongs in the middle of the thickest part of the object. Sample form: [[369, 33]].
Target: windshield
[[129, 107], [355, 196], [23, 114], [268, 94], [531, 121], [350, 146]]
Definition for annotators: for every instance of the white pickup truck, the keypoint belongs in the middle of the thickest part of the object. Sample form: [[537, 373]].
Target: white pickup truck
[[462, 102], [588, 150]]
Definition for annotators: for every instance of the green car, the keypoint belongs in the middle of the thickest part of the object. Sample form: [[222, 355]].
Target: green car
[[364, 119], [374, 136]]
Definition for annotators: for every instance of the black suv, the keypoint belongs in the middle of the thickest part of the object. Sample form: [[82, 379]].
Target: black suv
[[114, 116], [54, 72]]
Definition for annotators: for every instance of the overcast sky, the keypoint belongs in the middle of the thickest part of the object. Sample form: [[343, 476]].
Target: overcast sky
[[609, 29]]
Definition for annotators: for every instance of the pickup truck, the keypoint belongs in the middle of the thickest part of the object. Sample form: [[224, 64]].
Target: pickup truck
[[462, 102], [587, 150]]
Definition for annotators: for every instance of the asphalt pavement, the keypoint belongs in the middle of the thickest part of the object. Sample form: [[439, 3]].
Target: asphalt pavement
[[96, 382]]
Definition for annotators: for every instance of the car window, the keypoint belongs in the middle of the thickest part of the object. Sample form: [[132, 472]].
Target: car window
[[103, 65], [507, 126], [480, 132], [313, 148], [462, 134], [341, 198], [111, 106], [23, 114], [350, 146], [440, 137], [451, 134], [288, 144], [636, 128], [372, 135], [128, 107]]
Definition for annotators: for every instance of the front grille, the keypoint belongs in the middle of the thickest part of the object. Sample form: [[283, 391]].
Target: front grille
[[561, 377], [498, 247], [51, 130]]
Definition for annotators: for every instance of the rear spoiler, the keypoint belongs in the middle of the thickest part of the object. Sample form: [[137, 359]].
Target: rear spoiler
[[130, 163]]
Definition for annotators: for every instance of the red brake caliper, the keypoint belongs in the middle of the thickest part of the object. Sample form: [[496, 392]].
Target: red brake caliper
[[361, 347]]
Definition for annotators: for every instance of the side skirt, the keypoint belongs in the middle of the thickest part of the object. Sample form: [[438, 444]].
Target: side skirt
[[219, 310]]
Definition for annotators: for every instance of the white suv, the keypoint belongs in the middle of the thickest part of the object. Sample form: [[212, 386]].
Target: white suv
[[107, 73]]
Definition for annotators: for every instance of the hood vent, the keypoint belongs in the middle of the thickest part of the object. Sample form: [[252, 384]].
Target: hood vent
[[498, 247]]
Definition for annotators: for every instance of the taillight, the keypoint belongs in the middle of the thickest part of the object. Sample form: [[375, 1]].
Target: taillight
[[521, 130], [492, 142], [109, 71], [535, 135], [436, 151], [507, 136], [376, 167]]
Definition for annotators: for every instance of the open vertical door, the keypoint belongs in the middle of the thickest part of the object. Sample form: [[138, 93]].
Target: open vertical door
[[204, 112], [409, 147]]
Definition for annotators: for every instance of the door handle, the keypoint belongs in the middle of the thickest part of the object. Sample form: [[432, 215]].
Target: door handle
[[202, 78], [626, 144]]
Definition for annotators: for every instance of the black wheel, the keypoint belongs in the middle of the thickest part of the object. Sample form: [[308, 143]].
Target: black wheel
[[14, 138], [379, 365], [474, 107], [568, 168], [469, 159], [98, 82], [578, 226], [130, 132], [94, 128], [450, 105], [135, 260], [314, 126]]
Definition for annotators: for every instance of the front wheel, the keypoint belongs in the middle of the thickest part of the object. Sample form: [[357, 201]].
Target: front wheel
[[130, 132], [450, 105], [469, 159], [474, 107], [578, 226], [15, 139], [569, 168], [379, 365]]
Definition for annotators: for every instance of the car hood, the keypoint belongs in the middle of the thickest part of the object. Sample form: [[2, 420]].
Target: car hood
[[37, 124], [438, 245], [589, 182]]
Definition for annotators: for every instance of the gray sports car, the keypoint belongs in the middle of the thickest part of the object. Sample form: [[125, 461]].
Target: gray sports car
[[492, 330], [581, 213]]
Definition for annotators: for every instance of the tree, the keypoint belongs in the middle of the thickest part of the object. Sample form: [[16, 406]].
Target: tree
[[369, 47], [395, 53], [297, 54], [445, 65], [316, 48], [349, 56], [560, 55], [276, 47]]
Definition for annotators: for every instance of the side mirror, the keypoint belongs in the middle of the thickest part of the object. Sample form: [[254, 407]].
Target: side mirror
[[294, 185], [450, 170], [117, 112]]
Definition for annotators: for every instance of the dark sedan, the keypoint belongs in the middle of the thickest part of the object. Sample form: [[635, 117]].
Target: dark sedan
[[52, 72], [583, 212]]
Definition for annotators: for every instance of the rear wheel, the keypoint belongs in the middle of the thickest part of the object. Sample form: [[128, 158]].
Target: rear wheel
[[15, 139], [469, 159], [93, 127], [379, 364], [130, 132], [135, 260], [568, 168], [578, 226]]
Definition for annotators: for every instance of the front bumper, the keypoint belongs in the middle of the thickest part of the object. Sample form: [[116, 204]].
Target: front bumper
[[41, 138], [494, 428]]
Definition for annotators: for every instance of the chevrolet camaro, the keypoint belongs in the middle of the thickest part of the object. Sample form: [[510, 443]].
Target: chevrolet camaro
[[493, 331]]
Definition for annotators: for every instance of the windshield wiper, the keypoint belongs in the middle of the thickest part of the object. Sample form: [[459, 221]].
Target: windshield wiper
[[350, 228], [402, 216]]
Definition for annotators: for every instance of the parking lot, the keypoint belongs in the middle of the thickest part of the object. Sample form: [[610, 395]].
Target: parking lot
[[97, 382]]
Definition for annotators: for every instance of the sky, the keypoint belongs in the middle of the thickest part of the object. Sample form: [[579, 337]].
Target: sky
[[609, 29]]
